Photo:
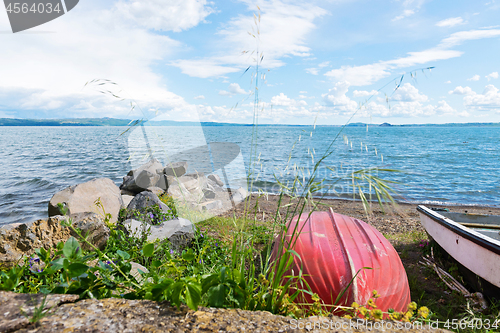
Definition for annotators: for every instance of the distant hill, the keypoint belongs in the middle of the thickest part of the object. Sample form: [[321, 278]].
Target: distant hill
[[101, 122], [126, 122]]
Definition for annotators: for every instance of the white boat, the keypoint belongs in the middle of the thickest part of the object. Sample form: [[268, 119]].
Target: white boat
[[472, 240]]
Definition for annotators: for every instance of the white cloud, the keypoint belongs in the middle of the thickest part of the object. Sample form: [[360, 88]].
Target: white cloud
[[458, 38], [204, 68], [80, 52], [407, 109], [313, 71], [491, 76], [450, 22], [489, 99], [408, 93], [444, 108], [448, 81], [362, 93], [336, 98], [200, 97], [173, 15], [284, 27], [406, 13], [461, 91], [282, 100], [234, 89], [324, 64], [368, 74], [410, 7], [474, 78], [360, 75]]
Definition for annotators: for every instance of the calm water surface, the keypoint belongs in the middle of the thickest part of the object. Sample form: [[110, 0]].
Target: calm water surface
[[439, 164]]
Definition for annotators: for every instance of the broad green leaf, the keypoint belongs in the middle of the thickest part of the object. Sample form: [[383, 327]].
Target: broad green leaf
[[77, 269], [209, 281], [148, 250], [71, 248], [193, 295], [58, 263], [217, 295], [176, 289], [123, 254], [188, 255]]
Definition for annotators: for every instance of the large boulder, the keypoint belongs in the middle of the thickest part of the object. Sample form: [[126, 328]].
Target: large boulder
[[176, 169], [93, 227], [147, 199], [141, 207], [187, 188], [147, 175], [82, 197], [19, 239]]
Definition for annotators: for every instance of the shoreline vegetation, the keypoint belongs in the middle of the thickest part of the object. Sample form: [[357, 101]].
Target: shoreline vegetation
[[126, 122]]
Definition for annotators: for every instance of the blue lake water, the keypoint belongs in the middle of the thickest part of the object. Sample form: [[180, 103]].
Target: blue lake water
[[440, 165]]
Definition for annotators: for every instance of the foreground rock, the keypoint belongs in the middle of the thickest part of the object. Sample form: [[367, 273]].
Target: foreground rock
[[119, 315], [82, 197], [19, 239]]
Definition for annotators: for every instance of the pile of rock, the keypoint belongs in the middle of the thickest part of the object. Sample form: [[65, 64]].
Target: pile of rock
[[193, 190], [88, 204]]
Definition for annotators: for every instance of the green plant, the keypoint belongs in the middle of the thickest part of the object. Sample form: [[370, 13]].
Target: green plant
[[39, 311]]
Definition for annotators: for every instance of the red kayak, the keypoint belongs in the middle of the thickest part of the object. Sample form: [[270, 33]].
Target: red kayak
[[334, 247]]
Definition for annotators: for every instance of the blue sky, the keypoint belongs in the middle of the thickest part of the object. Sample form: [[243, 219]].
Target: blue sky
[[322, 60]]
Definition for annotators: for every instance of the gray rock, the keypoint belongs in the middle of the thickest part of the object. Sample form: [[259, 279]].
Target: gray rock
[[179, 231], [216, 179], [126, 200], [140, 181], [192, 181], [182, 196], [176, 169], [143, 177], [155, 190], [210, 205], [183, 234], [152, 166], [93, 227], [81, 198], [239, 195], [208, 194], [147, 199], [136, 270], [125, 192]]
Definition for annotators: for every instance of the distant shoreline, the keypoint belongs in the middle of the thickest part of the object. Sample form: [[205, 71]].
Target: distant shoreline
[[127, 122]]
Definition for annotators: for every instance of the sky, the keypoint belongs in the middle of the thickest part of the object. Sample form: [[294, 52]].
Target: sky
[[288, 62]]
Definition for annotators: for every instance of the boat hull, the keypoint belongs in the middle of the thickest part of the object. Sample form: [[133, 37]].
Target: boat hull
[[335, 248], [475, 251]]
